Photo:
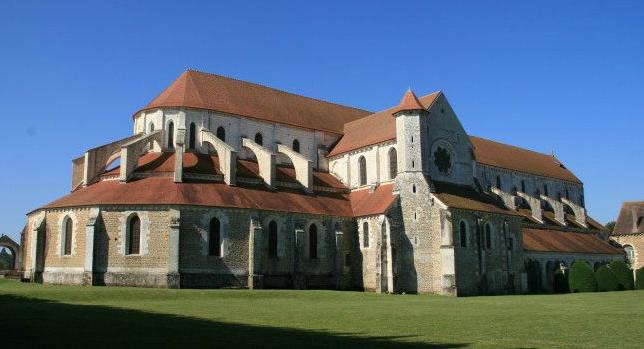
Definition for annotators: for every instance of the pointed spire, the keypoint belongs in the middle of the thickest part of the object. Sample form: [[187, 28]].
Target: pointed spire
[[408, 102]]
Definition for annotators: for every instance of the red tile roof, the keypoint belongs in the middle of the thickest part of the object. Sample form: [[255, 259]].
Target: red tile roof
[[630, 215], [163, 191], [456, 196], [514, 158], [408, 102], [366, 203], [373, 129], [548, 240], [199, 90]]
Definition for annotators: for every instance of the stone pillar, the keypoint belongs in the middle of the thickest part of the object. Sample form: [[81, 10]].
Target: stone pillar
[[39, 224], [90, 228], [255, 280], [178, 155], [173, 276], [448, 269], [339, 260], [299, 281]]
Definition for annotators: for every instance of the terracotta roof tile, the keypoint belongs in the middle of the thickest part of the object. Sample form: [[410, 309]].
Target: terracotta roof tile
[[464, 197], [373, 129], [366, 203], [549, 240], [408, 102], [163, 191], [514, 158], [199, 90], [630, 215]]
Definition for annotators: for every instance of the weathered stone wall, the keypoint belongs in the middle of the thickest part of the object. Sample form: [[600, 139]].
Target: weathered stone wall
[[637, 242], [481, 270], [512, 180]]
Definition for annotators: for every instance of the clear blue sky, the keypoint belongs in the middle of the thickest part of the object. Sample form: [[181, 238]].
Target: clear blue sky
[[562, 75]]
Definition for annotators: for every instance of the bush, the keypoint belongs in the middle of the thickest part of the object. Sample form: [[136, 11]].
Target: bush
[[582, 278], [606, 280], [623, 273], [639, 279]]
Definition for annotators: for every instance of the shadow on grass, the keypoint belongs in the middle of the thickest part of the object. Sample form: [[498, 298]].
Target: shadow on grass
[[28, 322]]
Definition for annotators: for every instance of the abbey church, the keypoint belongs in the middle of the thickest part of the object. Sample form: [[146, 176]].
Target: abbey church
[[226, 183]]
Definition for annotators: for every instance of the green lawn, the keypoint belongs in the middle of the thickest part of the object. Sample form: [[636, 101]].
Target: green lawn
[[34, 315]]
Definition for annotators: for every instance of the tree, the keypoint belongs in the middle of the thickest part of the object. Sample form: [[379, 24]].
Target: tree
[[610, 225], [5, 259], [606, 280], [582, 278], [623, 274]]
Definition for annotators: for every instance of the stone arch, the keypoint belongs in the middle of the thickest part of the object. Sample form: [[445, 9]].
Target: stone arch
[[62, 221], [204, 232], [113, 158], [226, 154], [392, 155], [281, 243], [362, 170], [302, 165], [15, 250], [463, 233], [265, 161], [320, 229], [192, 136], [489, 235]]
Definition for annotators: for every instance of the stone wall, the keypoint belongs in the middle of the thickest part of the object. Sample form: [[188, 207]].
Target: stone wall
[[237, 127], [512, 180], [482, 270], [345, 167], [637, 242]]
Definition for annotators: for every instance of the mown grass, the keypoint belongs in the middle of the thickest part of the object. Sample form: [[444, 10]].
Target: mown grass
[[33, 315]]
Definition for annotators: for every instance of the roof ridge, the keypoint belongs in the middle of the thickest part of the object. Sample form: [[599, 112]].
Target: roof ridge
[[515, 146], [392, 107], [274, 89]]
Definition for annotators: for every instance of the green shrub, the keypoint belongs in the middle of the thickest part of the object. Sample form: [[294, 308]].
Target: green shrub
[[623, 273], [606, 280], [582, 278], [639, 279]]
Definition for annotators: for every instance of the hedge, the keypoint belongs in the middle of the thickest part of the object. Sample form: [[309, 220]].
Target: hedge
[[639, 279], [606, 280], [623, 273], [582, 278]]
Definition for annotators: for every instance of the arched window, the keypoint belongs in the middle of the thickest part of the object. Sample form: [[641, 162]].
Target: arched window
[[67, 239], [362, 170], [134, 235], [221, 133], [514, 190], [259, 139], [639, 221], [393, 163], [522, 186], [151, 127], [296, 145], [171, 135], [545, 189], [462, 229], [193, 136], [214, 238], [567, 194], [488, 236], [313, 241], [272, 239], [365, 234], [498, 182]]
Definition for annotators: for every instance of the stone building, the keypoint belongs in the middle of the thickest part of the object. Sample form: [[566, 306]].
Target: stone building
[[226, 183], [629, 232]]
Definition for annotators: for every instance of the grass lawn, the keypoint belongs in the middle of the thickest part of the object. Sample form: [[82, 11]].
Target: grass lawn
[[34, 315]]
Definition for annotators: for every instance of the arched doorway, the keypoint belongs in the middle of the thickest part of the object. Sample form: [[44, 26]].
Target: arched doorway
[[9, 254]]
